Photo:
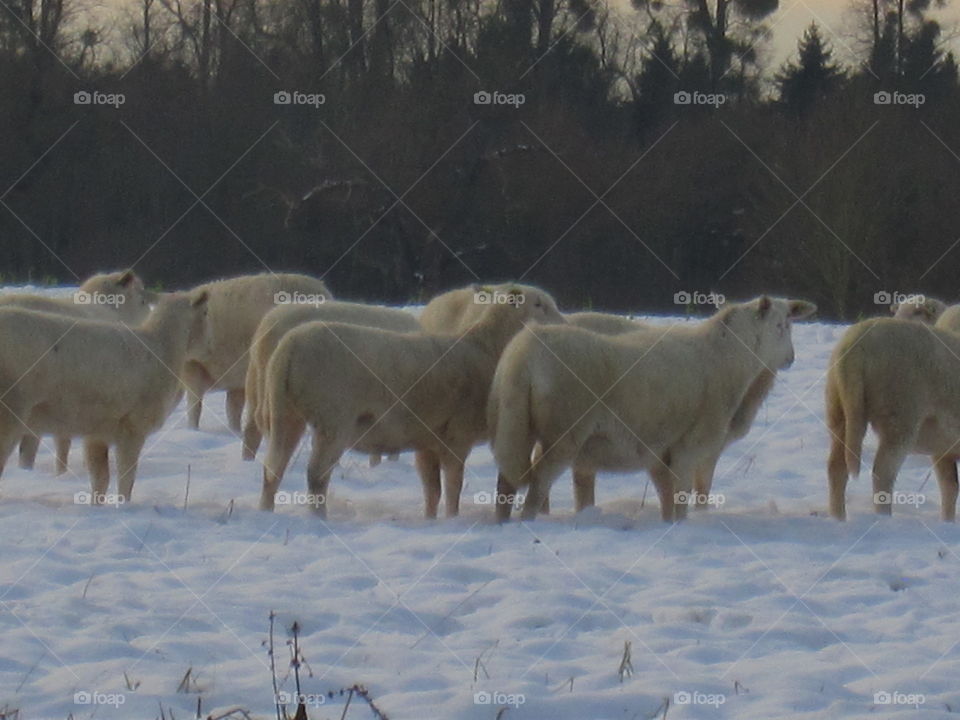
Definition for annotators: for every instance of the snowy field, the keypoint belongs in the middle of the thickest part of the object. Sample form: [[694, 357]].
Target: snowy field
[[760, 608]]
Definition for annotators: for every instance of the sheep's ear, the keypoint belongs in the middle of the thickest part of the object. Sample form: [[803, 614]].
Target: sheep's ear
[[764, 304], [200, 299], [127, 278], [800, 309]]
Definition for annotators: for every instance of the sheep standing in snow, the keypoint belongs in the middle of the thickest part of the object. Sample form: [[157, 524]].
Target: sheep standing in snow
[[118, 297], [662, 400], [924, 309], [278, 322], [584, 481], [902, 379], [105, 382], [236, 307], [381, 391]]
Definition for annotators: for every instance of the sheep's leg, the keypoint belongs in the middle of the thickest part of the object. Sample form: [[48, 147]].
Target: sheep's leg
[[453, 483], [886, 465], [546, 469], [946, 469], [375, 459], [663, 482], [251, 438], [98, 465], [63, 453], [10, 432], [584, 483], [836, 464], [428, 466], [29, 444], [128, 456], [235, 400], [393, 457], [537, 454], [323, 458], [703, 483], [284, 436], [503, 502], [196, 383]]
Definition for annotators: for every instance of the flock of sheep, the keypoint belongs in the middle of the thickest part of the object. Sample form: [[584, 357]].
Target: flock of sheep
[[585, 391]]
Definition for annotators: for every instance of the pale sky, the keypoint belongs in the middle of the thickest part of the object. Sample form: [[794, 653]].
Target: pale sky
[[835, 21]]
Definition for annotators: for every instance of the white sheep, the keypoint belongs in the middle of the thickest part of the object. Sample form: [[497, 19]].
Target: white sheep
[[584, 481], [926, 310], [118, 296], [902, 379], [236, 307], [105, 382], [278, 322], [662, 400], [379, 391]]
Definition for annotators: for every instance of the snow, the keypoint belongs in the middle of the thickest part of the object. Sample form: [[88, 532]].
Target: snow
[[762, 607]]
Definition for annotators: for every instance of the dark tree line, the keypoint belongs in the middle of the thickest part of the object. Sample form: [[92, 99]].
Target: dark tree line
[[625, 155]]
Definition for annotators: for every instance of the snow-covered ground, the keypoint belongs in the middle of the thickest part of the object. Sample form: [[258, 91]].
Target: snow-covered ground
[[760, 608]]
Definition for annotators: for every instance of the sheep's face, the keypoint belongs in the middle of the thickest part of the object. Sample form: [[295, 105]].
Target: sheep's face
[[123, 291], [925, 310], [533, 304], [764, 327]]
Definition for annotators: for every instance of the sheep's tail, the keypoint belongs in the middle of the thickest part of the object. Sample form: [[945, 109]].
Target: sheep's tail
[[275, 385], [852, 398], [510, 420]]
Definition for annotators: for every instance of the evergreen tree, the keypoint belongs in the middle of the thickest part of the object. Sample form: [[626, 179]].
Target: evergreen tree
[[812, 77]]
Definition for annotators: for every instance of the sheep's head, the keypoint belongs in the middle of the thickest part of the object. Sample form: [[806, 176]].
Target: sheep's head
[[763, 328], [122, 291], [919, 308], [531, 303]]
